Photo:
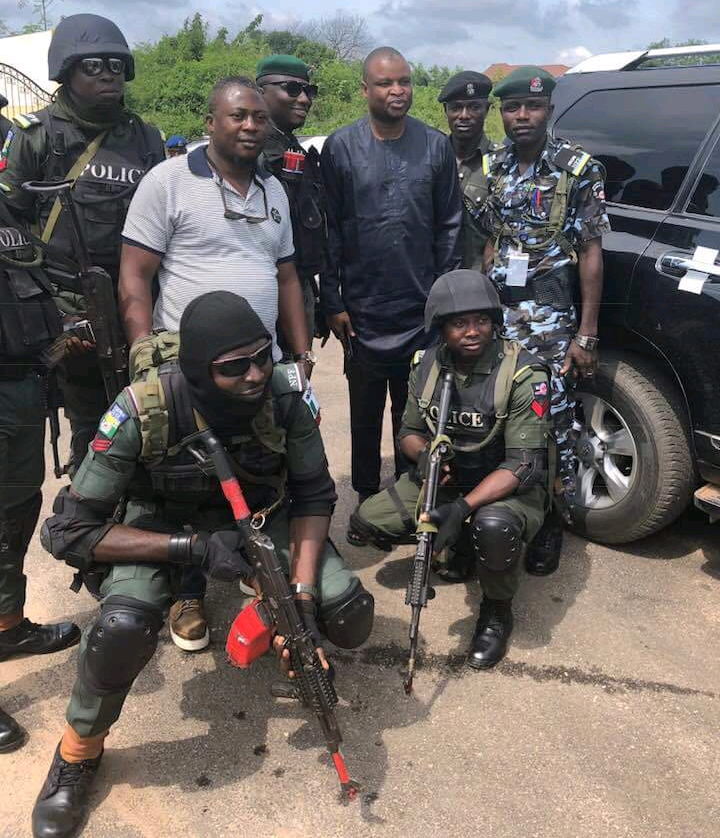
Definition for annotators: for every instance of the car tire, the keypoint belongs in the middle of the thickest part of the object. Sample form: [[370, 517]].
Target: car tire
[[635, 441]]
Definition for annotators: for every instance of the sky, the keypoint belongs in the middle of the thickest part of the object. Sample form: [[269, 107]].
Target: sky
[[468, 33]]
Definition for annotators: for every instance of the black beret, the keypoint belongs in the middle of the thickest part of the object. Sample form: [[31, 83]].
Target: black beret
[[466, 85]]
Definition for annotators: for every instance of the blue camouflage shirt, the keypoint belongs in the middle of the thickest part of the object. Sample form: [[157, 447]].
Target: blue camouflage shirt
[[523, 202]]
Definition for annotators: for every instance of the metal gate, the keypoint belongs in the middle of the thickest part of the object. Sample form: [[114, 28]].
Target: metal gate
[[22, 93]]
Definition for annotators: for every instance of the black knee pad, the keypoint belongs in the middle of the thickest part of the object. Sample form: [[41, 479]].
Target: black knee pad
[[18, 524], [120, 643], [496, 533], [347, 620]]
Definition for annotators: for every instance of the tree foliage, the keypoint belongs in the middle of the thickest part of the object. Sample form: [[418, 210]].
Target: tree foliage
[[174, 76], [681, 60]]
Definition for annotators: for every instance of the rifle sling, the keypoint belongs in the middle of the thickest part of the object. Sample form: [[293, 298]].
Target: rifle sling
[[74, 173]]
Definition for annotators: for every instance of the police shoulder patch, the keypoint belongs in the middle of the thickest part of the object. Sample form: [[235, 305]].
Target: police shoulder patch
[[541, 401], [313, 405], [108, 427]]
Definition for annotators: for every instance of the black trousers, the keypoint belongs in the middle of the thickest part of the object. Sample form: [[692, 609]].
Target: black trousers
[[368, 383]]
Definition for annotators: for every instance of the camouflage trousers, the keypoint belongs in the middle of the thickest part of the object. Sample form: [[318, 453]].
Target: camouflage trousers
[[547, 332]]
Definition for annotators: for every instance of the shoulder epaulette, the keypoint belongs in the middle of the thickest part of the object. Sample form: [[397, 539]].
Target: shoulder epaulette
[[417, 357], [523, 373], [288, 378], [571, 159], [26, 120]]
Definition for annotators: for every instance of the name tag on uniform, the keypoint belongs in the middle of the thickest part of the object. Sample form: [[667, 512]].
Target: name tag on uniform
[[517, 269]]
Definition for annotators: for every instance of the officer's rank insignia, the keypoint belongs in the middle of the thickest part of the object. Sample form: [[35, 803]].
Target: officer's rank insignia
[[536, 85], [312, 403], [275, 215], [540, 402], [4, 150], [470, 89], [108, 427]]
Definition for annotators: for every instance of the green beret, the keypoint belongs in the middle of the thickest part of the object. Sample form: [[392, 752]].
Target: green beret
[[282, 65], [466, 85], [525, 81]]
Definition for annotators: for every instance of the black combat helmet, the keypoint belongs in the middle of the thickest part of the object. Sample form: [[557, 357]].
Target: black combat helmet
[[86, 36], [458, 291]]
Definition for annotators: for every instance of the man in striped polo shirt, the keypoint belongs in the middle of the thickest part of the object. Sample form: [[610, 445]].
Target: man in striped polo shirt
[[212, 221]]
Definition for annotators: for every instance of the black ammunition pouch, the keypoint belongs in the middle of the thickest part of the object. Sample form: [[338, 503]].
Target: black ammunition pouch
[[307, 212], [29, 318], [555, 288]]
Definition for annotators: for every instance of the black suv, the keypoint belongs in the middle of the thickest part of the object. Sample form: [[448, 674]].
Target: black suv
[[651, 419]]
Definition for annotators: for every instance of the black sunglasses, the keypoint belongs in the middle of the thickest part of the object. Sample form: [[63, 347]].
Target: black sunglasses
[[233, 215], [94, 66], [295, 88], [235, 367]]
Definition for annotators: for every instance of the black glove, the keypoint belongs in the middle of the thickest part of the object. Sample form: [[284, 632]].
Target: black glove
[[219, 554], [448, 518], [308, 614], [421, 462]]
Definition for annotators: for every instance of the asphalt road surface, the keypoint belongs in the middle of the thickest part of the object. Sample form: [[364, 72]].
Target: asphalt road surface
[[601, 722]]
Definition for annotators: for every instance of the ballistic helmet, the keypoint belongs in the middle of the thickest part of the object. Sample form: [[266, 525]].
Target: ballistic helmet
[[86, 36], [459, 291]]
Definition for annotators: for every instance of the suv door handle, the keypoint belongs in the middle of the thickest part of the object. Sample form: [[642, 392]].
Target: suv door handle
[[677, 263]]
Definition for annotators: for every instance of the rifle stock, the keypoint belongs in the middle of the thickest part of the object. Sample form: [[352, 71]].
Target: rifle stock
[[418, 590]]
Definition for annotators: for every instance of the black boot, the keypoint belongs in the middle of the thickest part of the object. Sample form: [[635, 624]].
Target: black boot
[[61, 806], [543, 552], [32, 639], [12, 735], [493, 630]]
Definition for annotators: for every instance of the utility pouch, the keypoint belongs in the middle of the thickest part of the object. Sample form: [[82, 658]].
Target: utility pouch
[[29, 318], [556, 287]]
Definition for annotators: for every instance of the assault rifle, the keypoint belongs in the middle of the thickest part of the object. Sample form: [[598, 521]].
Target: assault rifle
[[276, 609], [97, 289], [418, 590]]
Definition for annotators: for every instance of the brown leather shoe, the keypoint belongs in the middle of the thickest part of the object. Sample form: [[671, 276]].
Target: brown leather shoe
[[188, 626]]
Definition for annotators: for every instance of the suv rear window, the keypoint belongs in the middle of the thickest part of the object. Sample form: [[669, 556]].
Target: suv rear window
[[646, 138]]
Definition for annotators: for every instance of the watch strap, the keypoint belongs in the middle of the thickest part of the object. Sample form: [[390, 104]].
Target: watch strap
[[304, 588]]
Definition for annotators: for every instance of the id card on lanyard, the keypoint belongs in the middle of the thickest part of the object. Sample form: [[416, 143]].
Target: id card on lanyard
[[517, 269]]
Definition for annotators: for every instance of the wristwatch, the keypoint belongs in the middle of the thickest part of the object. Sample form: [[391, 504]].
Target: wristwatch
[[586, 342], [304, 588], [308, 356]]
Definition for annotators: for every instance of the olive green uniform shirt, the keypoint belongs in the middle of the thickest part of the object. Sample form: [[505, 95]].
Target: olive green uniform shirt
[[474, 187], [524, 428]]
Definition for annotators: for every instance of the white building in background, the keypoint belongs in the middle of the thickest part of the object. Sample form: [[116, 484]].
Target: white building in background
[[25, 57]]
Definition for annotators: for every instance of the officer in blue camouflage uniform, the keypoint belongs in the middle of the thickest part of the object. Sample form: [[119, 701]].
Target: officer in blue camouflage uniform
[[545, 216]]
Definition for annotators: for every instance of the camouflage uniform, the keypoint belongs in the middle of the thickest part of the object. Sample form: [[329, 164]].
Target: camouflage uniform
[[517, 215]]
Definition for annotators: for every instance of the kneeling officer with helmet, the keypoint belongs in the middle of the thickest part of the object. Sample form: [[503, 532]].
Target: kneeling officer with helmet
[[494, 492], [141, 507]]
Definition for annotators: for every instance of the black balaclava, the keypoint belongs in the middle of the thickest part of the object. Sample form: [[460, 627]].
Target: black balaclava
[[211, 325]]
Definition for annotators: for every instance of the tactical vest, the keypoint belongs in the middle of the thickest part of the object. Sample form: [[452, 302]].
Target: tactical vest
[[103, 188], [306, 197], [29, 318], [477, 413], [550, 232], [171, 476]]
